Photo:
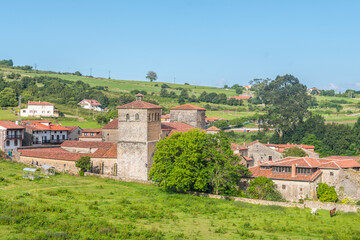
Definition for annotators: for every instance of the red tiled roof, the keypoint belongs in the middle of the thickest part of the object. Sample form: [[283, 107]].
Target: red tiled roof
[[139, 105], [257, 172], [90, 101], [241, 97], [114, 124], [166, 116], [252, 143], [249, 159], [40, 103], [235, 146], [214, 119], [38, 126], [98, 135], [176, 126], [281, 147], [84, 144], [51, 153], [10, 125], [213, 128], [90, 130], [187, 107], [71, 128]]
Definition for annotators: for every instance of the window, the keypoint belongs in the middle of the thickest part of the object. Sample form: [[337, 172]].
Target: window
[[24, 111], [276, 186], [79, 132], [127, 117], [63, 137], [300, 189], [48, 111], [15, 142], [270, 158], [60, 131], [43, 111], [331, 173], [149, 117], [283, 187], [8, 143], [137, 117], [91, 134]]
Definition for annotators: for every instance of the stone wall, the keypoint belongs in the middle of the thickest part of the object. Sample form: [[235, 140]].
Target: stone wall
[[60, 165], [80, 150], [345, 181], [105, 166], [110, 135], [260, 153], [329, 206], [195, 118]]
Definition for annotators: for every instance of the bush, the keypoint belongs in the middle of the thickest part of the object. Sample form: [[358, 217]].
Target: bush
[[81, 173], [261, 187], [358, 202], [325, 193]]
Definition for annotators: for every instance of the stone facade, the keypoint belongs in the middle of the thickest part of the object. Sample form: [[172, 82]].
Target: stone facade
[[60, 165], [261, 153], [345, 181], [139, 131], [195, 118], [110, 135]]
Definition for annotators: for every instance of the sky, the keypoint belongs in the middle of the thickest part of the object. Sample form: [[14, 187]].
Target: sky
[[208, 42]]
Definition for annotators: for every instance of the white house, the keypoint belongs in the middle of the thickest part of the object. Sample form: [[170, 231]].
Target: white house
[[11, 136], [44, 132], [91, 104], [38, 109]]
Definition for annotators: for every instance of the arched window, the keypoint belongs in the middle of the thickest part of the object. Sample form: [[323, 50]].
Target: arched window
[[149, 117], [137, 117], [152, 117], [127, 117]]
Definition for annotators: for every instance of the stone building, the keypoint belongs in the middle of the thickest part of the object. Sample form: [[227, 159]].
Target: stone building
[[44, 132], [139, 130], [110, 132], [94, 135], [190, 114], [297, 178], [74, 132]]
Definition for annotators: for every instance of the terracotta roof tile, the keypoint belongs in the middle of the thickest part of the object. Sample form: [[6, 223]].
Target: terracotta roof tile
[[89, 101], [114, 124], [10, 125], [240, 97], [39, 103], [257, 172], [51, 153], [139, 105], [235, 146], [176, 126], [187, 107], [213, 128], [71, 128], [89, 144]]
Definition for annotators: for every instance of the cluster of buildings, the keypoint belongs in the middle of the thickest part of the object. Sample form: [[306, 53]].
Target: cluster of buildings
[[124, 148]]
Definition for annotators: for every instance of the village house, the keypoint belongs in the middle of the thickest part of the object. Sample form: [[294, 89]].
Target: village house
[[313, 91], [11, 136], [43, 132], [212, 130], [38, 109], [242, 152], [297, 178], [190, 114], [91, 135], [211, 120], [273, 152], [91, 104], [74, 132], [110, 131], [165, 118]]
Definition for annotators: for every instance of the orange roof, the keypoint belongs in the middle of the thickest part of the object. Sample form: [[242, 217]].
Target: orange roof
[[175, 127], [166, 116], [10, 125], [90, 130], [114, 124], [213, 128], [139, 105], [235, 146], [257, 172], [51, 153], [90, 101], [187, 107], [40, 103], [84, 144], [241, 97], [39, 126], [214, 118], [71, 128]]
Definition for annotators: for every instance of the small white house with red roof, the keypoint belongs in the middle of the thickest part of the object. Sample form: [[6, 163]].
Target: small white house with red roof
[[91, 104], [38, 109], [11, 135]]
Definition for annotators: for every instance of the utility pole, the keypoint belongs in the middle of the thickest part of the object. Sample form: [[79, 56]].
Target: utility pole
[[109, 74]]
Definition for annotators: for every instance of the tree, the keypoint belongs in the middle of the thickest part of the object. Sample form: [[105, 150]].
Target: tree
[[260, 187], [151, 75], [8, 98], [325, 193], [83, 163], [77, 73], [286, 101], [239, 90], [222, 124], [294, 152], [196, 161]]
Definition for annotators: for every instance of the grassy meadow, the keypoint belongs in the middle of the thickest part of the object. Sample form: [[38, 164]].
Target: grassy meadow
[[68, 207]]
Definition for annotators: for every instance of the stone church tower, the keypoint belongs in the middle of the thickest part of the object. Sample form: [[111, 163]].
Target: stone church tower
[[139, 131]]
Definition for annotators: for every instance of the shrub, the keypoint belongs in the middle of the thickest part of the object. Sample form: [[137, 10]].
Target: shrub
[[81, 173], [294, 152], [358, 202], [325, 193], [83, 163], [261, 187]]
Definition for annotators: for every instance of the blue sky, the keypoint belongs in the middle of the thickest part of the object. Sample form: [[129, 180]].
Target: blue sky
[[200, 42]]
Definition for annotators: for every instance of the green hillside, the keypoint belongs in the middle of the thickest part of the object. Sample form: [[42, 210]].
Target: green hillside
[[68, 207]]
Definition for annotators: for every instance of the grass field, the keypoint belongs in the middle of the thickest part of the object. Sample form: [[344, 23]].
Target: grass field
[[88, 124], [7, 115], [67, 207]]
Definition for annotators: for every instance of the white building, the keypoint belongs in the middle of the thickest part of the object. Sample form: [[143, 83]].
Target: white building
[[44, 132], [91, 104], [38, 109], [11, 136]]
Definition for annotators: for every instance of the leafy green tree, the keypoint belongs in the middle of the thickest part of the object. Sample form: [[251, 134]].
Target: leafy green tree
[[294, 152], [190, 162], [325, 193], [8, 98], [151, 75], [238, 122], [312, 140], [184, 94], [260, 187], [77, 73], [239, 90], [286, 101], [83, 163], [222, 124]]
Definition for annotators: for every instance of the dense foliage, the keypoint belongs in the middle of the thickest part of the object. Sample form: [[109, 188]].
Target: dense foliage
[[83, 163], [196, 161], [325, 193], [294, 152], [261, 187]]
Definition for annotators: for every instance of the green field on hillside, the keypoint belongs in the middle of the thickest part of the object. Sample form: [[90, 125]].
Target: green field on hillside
[[7, 115], [67, 207]]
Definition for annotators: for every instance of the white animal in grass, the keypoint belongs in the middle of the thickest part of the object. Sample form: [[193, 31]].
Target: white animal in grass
[[314, 211]]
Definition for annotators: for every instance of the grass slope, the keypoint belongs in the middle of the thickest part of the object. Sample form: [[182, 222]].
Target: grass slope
[[67, 207]]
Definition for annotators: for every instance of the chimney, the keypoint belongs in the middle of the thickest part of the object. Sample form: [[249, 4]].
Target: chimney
[[293, 170], [244, 144]]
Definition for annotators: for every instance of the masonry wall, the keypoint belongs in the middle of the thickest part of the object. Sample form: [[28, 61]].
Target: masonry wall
[[2, 139], [74, 135], [80, 150], [110, 135], [60, 165], [195, 118], [345, 181], [104, 166], [296, 190], [260, 153], [311, 153]]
